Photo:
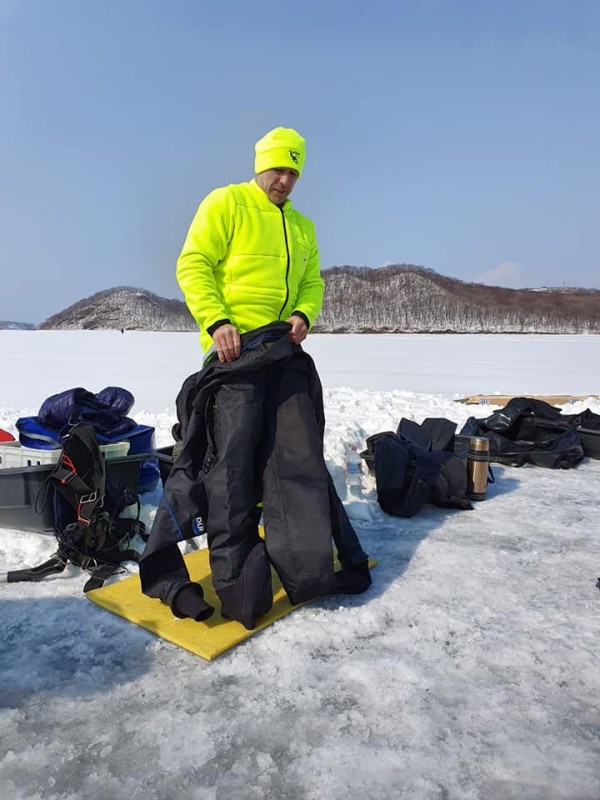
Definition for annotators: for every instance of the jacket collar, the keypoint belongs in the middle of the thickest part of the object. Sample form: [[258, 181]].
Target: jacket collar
[[264, 199]]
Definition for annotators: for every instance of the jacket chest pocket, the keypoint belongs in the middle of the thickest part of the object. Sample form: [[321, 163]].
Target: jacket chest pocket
[[301, 249]]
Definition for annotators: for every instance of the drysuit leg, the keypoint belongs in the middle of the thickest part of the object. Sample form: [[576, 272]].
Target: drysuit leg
[[350, 552], [240, 568], [296, 498]]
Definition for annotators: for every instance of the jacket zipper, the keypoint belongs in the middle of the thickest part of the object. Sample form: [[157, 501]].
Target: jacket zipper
[[287, 267]]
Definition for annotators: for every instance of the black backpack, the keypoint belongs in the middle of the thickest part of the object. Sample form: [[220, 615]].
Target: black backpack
[[86, 503], [418, 465]]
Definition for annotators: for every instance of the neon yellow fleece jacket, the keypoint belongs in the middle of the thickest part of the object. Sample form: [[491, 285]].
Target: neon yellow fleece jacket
[[248, 260]]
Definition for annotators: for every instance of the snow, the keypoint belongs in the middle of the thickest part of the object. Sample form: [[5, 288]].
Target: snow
[[469, 670]]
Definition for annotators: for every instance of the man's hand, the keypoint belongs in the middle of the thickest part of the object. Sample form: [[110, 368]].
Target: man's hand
[[299, 330], [227, 342]]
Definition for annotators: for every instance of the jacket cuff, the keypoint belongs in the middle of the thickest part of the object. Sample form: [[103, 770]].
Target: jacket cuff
[[302, 315], [212, 328]]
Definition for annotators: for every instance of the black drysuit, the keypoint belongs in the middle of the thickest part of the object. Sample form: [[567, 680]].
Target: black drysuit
[[252, 430]]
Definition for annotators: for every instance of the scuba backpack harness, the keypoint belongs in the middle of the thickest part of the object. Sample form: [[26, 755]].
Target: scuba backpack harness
[[86, 504]]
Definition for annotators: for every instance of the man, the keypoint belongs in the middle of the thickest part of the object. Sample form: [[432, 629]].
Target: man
[[252, 420], [249, 257]]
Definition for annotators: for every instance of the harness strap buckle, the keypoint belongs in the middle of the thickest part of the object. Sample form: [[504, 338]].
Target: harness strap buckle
[[88, 498]]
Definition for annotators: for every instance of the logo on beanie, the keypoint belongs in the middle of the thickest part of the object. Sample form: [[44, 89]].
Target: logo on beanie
[[294, 155]]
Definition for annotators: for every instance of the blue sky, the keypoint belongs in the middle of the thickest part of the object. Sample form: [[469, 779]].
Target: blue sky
[[461, 136]]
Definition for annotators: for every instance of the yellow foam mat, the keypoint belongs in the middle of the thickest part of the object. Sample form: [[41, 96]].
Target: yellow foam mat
[[205, 639]]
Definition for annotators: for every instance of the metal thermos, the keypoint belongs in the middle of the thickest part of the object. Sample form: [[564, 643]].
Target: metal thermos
[[478, 460]]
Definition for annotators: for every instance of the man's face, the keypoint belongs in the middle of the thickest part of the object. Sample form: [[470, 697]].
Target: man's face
[[277, 183]]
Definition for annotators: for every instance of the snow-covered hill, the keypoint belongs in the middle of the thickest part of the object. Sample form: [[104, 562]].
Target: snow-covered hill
[[6, 325], [123, 308], [408, 299], [398, 299]]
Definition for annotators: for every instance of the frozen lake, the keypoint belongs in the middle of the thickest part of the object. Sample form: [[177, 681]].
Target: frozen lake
[[35, 364], [468, 671]]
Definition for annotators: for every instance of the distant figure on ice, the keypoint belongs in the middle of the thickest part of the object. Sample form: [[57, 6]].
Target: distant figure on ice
[[251, 422]]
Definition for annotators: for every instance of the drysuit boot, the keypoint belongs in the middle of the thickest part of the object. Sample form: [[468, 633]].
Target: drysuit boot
[[353, 580], [188, 601], [251, 595]]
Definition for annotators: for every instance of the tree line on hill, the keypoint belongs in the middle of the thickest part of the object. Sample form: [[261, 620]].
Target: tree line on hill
[[409, 299], [401, 298]]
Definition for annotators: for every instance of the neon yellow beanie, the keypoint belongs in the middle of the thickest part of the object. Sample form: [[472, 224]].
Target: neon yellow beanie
[[281, 147]]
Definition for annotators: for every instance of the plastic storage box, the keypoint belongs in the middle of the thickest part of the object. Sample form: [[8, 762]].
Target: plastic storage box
[[24, 503], [14, 455]]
